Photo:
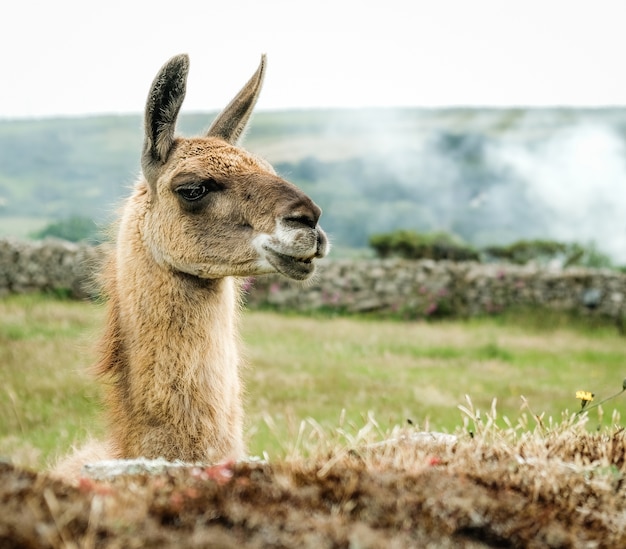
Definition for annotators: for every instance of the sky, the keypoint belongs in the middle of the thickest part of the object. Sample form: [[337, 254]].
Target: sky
[[72, 57]]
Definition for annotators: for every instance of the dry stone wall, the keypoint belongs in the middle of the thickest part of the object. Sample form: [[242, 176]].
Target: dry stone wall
[[49, 265], [410, 288], [427, 288]]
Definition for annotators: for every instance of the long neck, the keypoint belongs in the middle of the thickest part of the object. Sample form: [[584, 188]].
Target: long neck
[[171, 350]]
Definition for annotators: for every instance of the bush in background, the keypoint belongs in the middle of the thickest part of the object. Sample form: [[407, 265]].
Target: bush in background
[[545, 251], [440, 245], [74, 229], [412, 245]]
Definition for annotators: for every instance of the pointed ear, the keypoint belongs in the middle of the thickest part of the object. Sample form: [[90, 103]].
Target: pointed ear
[[164, 100], [231, 122]]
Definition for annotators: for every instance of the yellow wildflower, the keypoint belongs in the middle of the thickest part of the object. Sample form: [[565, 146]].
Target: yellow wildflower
[[585, 397]]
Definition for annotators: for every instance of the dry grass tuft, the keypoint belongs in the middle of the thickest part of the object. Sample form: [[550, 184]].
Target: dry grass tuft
[[554, 485]]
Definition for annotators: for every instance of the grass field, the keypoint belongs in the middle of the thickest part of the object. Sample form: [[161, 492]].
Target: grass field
[[334, 370]]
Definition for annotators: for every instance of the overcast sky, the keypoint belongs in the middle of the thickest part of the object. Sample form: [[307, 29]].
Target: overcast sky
[[72, 57]]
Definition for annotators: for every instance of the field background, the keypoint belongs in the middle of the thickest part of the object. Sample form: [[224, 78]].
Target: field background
[[311, 373], [486, 175]]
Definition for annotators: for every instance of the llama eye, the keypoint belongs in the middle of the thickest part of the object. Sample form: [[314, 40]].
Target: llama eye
[[191, 194], [196, 192]]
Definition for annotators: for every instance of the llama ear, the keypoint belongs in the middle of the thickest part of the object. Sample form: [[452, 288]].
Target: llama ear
[[164, 101], [231, 122]]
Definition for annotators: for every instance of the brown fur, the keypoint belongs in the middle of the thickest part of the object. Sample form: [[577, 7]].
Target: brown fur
[[169, 354]]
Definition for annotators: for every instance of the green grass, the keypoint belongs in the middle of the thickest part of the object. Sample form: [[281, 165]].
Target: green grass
[[318, 367], [422, 371], [46, 399]]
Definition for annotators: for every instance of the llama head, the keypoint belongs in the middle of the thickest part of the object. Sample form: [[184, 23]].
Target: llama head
[[211, 208]]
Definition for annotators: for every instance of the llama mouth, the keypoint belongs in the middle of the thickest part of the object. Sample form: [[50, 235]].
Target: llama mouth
[[296, 268]]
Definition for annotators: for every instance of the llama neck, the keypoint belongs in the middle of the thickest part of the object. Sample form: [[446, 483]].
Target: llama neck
[[171, 347]]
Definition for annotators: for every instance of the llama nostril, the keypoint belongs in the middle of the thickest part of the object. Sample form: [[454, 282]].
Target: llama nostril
[[302, 220]]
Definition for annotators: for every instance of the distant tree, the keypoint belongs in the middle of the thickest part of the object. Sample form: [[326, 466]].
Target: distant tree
[[544, 251], [74, 229], [588, 256], [440, 245], [525, 251], [413, 245]]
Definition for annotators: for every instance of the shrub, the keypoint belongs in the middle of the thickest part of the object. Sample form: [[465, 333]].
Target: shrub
[[544, 251], [74, 229], [524, 251], [411, 245]]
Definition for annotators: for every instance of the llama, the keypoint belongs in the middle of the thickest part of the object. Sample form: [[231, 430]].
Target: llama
[[203, 214]]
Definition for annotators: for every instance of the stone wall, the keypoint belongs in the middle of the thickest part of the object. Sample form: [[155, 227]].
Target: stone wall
[[49, 265], [428, 288], [409, 288]]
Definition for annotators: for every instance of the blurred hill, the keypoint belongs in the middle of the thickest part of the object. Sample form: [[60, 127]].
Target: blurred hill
[[490, 176]]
